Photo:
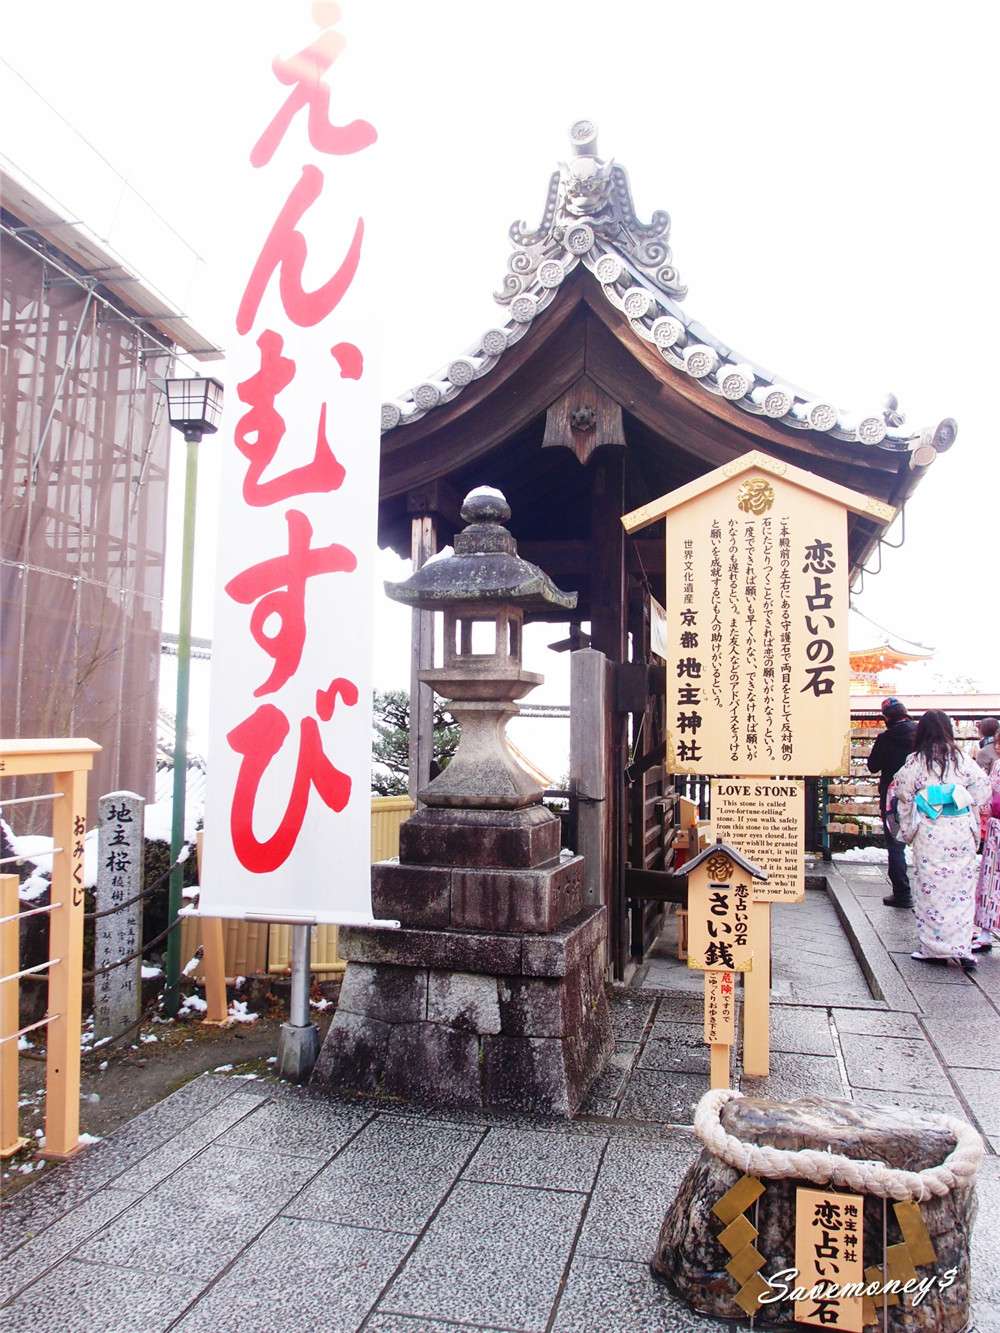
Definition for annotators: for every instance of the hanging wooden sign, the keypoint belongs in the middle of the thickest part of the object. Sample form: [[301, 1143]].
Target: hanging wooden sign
[[829, 1244], [719, 899]]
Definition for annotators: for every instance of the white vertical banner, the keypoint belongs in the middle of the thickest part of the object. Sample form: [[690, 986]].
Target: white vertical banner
[[288, 812]]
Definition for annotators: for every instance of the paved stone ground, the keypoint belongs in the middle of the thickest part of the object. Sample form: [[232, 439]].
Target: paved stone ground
[[240, 1204]]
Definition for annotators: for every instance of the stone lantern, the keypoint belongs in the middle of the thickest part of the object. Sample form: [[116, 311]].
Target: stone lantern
[[484, 590], [491, 993]]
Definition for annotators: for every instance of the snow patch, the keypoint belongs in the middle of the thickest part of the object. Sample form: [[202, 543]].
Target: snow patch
[[238, 1012], [33, 887], [222, 1069]]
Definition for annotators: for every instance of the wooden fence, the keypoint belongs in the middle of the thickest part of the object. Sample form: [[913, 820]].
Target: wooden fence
[[68, 761]]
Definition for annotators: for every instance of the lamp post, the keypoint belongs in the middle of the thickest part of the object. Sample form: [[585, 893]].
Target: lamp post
[[194, 407]]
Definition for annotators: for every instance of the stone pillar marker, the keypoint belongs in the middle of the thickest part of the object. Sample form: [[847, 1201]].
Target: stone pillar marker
[[120, 856], [492, 991]]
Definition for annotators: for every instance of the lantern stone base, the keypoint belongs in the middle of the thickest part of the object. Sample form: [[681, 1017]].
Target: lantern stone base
[[512, 1021], [499, 838], [691, 1258]]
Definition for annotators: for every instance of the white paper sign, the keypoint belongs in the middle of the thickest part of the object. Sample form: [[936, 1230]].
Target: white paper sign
[[288, 823]]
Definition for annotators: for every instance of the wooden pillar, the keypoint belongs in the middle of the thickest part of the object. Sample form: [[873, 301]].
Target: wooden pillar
[[62, 1074], [608, 634], [757, 996], [10, 1140], [608, 608], [423, 544]]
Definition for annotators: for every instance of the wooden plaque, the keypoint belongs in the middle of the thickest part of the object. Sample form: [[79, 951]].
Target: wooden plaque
[[766, 822]]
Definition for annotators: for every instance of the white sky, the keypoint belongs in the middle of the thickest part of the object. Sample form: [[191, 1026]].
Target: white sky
[[831, 173]]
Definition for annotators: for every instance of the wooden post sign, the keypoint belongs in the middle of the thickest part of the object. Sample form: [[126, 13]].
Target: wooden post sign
[[720, 899], [757, 668]]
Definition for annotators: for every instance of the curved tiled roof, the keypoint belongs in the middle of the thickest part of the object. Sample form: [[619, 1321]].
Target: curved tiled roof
[[589, 219]]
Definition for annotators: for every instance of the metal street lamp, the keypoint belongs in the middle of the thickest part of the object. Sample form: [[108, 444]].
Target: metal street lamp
[[194, 407]]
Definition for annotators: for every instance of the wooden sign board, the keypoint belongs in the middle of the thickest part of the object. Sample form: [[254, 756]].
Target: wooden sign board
[[719, 901], [766, 822], [757, 601], [829, 1243]]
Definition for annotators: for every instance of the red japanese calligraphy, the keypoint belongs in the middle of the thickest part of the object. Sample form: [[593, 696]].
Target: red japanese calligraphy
[[258, 739], [286, 250], [266, 426], [278, 586], [303, 73], [349, 359]]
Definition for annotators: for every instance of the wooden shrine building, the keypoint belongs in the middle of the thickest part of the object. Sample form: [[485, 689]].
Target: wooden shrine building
[[594, 394]]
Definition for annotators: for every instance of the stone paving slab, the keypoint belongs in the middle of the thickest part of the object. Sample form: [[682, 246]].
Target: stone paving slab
[[364, 1185], [801, 1031], [493, 1254], [300, 1276], [60, 1239], [95, 1298], [198, 1220], [900, 1064], [609, 1296]]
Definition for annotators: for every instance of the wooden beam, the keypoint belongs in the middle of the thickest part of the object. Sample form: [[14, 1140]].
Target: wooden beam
[[583, 419], [423, 546]]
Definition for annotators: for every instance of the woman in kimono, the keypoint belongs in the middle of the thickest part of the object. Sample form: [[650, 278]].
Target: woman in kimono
[[988, 888], [939, 793]]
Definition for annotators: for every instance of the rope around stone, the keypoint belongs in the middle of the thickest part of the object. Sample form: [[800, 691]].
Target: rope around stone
[[823, 1168]]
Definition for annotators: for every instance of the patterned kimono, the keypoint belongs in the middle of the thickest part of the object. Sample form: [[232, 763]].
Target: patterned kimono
[[944, 855], [988, 888]]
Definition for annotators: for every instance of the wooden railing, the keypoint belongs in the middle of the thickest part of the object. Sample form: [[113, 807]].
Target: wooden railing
[[68, 761]]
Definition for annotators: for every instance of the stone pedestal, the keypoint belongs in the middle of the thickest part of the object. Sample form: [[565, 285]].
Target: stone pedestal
[[690, 1257], [491, 993]]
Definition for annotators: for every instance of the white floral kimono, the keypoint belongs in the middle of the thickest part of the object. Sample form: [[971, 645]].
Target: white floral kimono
[[944, 855]]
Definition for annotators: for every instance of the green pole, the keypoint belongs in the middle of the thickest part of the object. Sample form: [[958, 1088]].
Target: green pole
[[175, 899]]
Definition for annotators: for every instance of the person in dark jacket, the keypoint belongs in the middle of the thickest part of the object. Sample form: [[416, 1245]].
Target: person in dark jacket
[[888, 755]]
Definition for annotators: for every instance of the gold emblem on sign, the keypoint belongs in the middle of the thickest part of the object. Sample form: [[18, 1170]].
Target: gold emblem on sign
[[719, 867], [755, 496]]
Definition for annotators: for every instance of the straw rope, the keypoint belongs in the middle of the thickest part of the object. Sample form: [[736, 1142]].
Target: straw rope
[[822, 1168]]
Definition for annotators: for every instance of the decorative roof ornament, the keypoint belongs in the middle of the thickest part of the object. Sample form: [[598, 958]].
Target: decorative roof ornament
[[590, 198], [589, 219]]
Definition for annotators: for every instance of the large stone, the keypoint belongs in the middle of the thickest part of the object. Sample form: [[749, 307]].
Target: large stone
[[463, 1000], [689, 1255], [535, 900], [388, 994], [558, 953], [505, 839], [412, 895], [434, 1065], [352, 1058], [479, 952]]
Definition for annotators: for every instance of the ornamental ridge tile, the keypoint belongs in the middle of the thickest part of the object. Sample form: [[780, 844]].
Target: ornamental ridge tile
[[589, 219]]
